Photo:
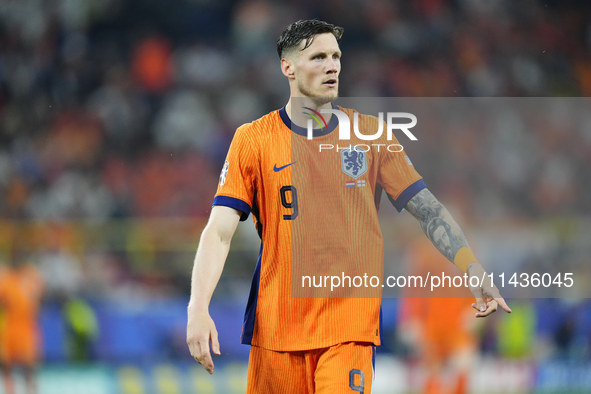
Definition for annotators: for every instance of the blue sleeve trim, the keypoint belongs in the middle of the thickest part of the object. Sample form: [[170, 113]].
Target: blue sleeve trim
[[251, 305], [235, 203], [407, 194]]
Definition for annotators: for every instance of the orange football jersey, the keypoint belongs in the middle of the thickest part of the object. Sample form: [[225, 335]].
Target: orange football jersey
[[20, 295], [316, 213]]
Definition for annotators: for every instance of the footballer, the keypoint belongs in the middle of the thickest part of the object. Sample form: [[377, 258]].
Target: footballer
[[298, 344]]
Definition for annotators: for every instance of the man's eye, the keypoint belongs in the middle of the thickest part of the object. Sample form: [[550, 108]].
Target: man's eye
[[318, 57]]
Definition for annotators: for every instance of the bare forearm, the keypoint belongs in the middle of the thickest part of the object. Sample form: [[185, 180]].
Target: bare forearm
[[437, 223], [207, 268]]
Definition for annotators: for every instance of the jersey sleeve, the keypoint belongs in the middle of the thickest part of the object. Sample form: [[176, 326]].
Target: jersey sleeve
[[237, 179], [398, 177]]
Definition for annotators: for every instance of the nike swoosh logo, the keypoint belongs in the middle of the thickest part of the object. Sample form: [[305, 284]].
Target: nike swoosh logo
[[277, 169]]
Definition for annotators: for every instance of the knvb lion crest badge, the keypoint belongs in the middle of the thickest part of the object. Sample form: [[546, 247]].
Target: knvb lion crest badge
[[354, 161]]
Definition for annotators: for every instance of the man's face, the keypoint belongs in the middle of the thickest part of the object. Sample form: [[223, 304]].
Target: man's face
[[317, 68]]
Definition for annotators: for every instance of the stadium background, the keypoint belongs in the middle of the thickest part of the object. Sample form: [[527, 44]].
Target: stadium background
[[115, 117]]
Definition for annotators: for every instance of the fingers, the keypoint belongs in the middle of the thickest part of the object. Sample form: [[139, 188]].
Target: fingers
[[215, 344], [491, 307], [487, 299], [199, 349], [485, 309], [203, 356], [503, 304], [200, 331], [480, 304]]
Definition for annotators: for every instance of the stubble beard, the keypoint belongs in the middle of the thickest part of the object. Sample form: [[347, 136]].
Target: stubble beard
[[318, 100]]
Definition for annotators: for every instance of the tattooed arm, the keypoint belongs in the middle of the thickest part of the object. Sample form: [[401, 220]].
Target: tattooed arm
[[437, 223], [448, 238]]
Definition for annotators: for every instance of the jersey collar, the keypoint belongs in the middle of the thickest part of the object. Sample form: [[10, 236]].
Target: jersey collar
[[334, 122]]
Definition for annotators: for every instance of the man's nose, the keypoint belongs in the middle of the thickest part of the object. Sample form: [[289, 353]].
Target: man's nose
[[332, 66]]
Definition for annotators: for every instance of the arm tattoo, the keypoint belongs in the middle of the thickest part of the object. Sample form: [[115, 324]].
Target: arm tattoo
[[437, 223]]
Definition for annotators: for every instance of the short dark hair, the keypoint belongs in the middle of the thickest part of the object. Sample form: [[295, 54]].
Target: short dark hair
[[305, 30]]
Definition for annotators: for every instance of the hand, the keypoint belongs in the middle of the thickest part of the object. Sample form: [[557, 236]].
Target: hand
[[487, 296], [200, 331]]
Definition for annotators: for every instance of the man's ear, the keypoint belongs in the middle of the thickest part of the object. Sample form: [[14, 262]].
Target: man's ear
[[287, 68]]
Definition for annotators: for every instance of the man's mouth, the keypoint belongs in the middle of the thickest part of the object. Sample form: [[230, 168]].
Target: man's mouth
[[331, 83]]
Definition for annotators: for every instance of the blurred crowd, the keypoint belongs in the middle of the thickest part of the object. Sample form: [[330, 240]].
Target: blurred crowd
[[124, 109]]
